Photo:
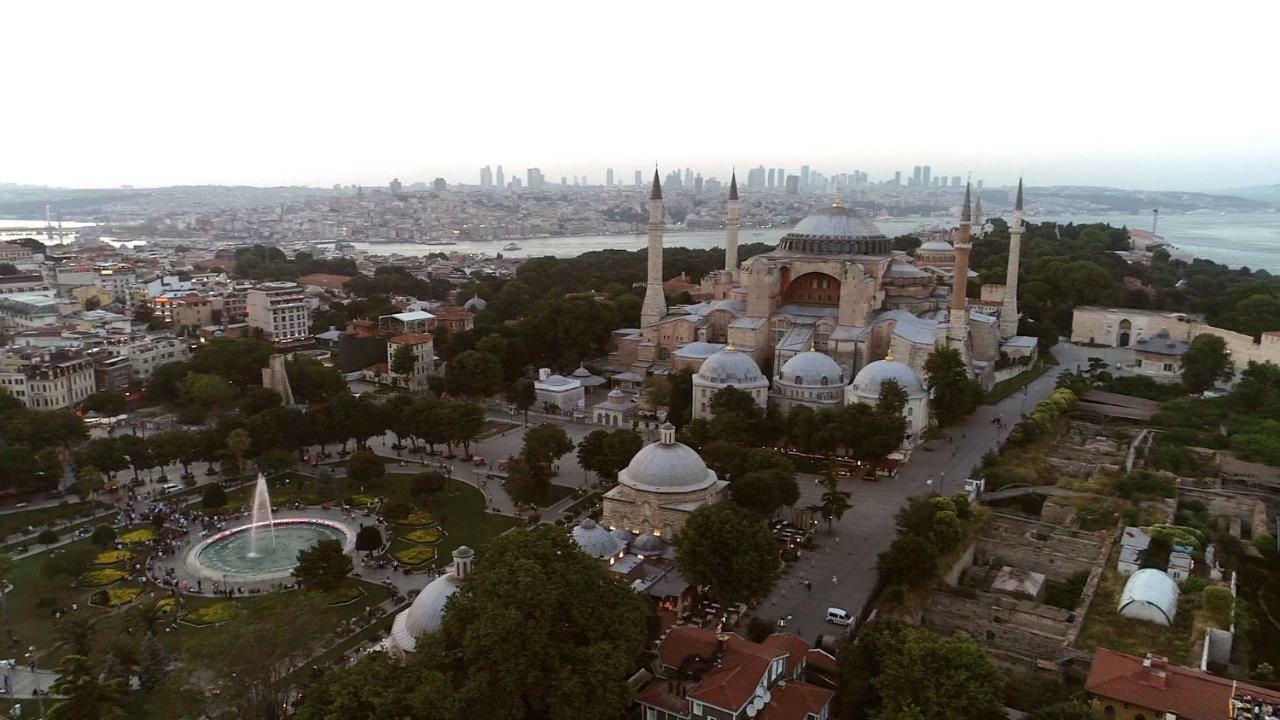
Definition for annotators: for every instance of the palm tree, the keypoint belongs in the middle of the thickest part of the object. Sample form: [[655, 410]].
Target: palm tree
[[238, 442], [146, 616], [76, 634], [86, 697]]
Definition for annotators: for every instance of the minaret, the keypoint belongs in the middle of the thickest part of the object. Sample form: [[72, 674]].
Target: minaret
[[977, 215], [731, 229], [655, 301], [958, 320], [1009, 311]]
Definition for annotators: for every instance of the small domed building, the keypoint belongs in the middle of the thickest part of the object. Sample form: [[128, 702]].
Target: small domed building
[[597, 541], [565, 394], [1149, 595], [427, 611], [810, 379], [728, 368], [936, 253], [866, 385], [663, 483]]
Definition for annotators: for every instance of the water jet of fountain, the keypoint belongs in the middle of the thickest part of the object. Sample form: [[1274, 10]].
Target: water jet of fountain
[[261, 517]]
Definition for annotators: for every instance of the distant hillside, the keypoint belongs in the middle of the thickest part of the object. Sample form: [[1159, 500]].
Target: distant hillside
[[1269, 194], [1106, 199]]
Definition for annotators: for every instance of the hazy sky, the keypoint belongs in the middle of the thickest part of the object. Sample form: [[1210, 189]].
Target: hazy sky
[[1161, 95]]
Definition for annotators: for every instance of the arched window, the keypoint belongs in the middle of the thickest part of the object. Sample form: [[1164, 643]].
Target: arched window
[[1109, 712], [799, 380], [825, 380]]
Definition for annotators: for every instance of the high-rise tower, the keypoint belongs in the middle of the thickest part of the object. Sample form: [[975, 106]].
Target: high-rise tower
[[1009, 310], [731, 229], [655, 301]]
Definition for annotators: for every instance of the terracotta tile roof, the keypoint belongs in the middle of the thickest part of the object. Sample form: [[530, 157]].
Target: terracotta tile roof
[[795, 701], [655, 695], [1156, 685], [452, 312], [325, 280], [684, 641], [822, 661], [794, 646], [731, 685], [411, 339]]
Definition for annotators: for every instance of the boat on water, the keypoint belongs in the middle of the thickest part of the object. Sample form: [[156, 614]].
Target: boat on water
[[439, 242], [511, 247]]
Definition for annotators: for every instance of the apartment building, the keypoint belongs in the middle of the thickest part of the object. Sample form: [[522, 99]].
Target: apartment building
[[423, 349], [48, 380], [280, 310]]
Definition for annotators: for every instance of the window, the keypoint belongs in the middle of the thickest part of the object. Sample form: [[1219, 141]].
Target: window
[[650, 714], [697, 708]]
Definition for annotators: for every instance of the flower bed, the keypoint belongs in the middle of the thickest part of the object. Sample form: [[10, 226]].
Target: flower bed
[[344, 595], [115, 597], [104, 576], [140, 535], [425, 536], [418, 518], [168, 604], [214, 614], [415, 555], [111, 557], [363, 500]]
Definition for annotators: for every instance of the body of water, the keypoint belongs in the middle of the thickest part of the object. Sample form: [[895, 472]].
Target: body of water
[[1235, 240]]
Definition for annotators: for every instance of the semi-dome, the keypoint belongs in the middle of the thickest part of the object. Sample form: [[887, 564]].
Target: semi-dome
[[836, 230], [1149, 595], [596, 541], [868, 380], [427, 611], [811, 368], [937, 246], [667, 467], [730, 367]]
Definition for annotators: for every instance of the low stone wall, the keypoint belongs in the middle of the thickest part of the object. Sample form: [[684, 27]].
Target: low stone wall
[[1021, 628], [1022, 542]]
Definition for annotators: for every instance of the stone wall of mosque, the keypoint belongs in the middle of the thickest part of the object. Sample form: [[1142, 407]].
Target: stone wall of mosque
[[643, 512]]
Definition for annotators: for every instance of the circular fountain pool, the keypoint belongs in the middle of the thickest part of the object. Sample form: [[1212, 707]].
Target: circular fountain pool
[[263, 551]]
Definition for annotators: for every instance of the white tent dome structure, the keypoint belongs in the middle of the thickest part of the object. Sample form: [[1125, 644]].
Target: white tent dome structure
[[1150, 595]]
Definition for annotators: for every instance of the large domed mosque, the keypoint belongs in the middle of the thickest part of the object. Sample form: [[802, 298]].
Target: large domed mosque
[[833, 286]]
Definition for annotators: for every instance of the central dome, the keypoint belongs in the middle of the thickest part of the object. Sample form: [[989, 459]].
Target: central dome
[[836, 230], [730, 367], [667, 467]]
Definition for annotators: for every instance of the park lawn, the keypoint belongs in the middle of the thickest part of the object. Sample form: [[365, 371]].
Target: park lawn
[[16, 523], [494, 427], [554, 494], [583, 503], [35, 626], [459, 511]]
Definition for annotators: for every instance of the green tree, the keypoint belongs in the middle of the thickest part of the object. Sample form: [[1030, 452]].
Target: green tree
[[1206, 363], [75, 634], [368, 538], [283, 632], [545, 444], [238, 443], [403, 361], [606, 452], [103, 536], [473, 374], [322, 566], [312, 381], [539, 630], [764, 492], [105, 403], [730, 551], [378, 687], [955, 393], [214, 497], [206, 390], [527, 482], [930, 676], [427, 483], [1066, 710], [85, 697], [908, 561], [154, 665], [48, 536], [145, 616], [365, 468], [259, 399], [523, 395], [834, 502]]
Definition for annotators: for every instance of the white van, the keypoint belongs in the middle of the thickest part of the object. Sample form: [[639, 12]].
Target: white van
[[170, 487], [838, 616]]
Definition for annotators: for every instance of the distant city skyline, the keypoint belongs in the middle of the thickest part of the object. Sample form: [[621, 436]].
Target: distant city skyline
[[1105, 94]]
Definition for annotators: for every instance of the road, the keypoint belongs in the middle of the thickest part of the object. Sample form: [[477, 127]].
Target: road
[[843, 568]]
